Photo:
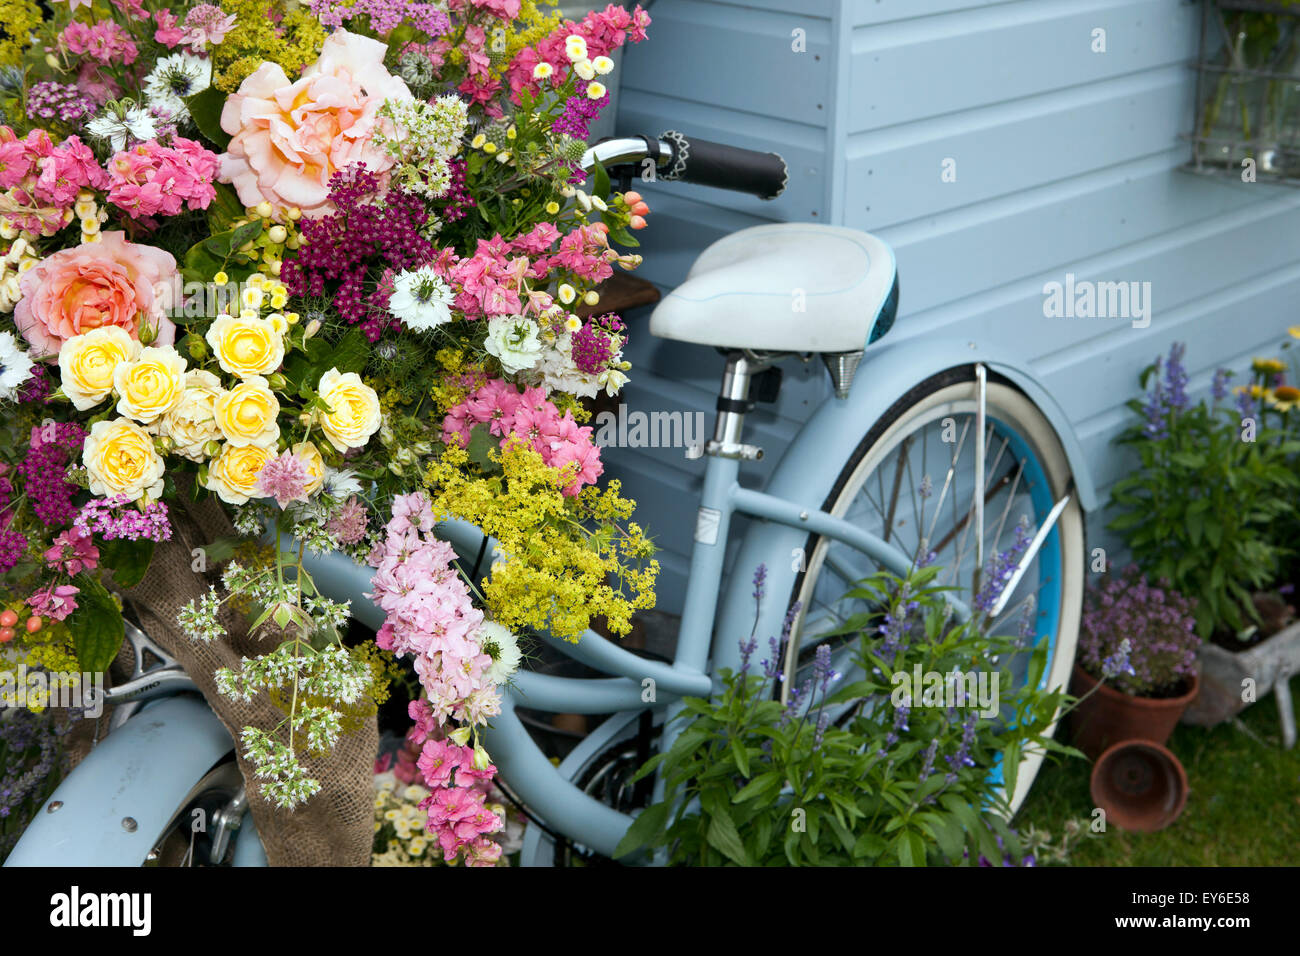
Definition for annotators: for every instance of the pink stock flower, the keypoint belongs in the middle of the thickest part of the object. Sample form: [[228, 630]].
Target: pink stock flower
[[152, 180], [73, 551], [168, 33], [288, 139], [56, 601], [110, 282]]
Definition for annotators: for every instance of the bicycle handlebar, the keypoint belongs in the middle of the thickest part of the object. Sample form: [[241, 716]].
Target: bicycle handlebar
[[698, 161]]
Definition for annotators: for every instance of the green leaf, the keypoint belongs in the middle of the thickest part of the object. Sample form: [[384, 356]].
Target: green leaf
[[869, 846], [129, 560], [758, 787], [724, 837], [600, 182], [205, 109], [742, 756], [96, 625], [481, 442], [644, 830], [910, 848]]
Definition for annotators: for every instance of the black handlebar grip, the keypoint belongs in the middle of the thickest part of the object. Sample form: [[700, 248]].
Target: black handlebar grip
[[725, 167]]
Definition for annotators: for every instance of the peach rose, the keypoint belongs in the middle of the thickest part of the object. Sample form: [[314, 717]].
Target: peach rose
[[288, 139], [111, 282]]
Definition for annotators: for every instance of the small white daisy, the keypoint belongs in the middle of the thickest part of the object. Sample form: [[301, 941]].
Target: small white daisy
[[421, 299]]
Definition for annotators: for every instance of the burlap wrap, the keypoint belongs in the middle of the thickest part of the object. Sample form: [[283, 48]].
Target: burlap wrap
[[335, 827]]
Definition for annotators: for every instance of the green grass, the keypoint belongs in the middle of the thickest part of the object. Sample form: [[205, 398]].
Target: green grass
[[1243, 808]]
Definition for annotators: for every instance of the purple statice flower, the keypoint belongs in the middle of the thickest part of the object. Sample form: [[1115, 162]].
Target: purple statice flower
[[53, 446], [61, 102], [112, 519], [1219, 387], [1176, 378], [1000, 569]]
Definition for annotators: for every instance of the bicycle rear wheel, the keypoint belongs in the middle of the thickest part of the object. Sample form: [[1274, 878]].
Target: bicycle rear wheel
[[929, 436]]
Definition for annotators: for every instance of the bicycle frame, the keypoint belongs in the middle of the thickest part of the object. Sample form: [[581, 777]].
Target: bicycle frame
[[786, 519]]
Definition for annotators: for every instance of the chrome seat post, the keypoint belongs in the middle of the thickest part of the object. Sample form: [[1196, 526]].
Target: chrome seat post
[[733, 404]]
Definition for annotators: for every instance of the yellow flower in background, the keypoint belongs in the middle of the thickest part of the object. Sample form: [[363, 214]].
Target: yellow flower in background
[[353, 414], [87, 363], [233, 473], [192, 423], [310, 455], [246, 346], [1268, 366], [1285, 398], [120, 460], [150, 386], [246, 414], [1294, 331]]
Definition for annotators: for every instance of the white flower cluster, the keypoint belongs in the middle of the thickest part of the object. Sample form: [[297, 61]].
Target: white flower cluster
[[288, 783], [422, 137], [199, 621]]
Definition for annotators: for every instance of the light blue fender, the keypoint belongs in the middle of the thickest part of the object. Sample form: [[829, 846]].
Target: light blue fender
[[143, 770], [808, 469]]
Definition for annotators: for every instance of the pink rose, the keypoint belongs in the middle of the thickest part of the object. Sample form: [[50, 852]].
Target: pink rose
[[288, 139], [110, 282]]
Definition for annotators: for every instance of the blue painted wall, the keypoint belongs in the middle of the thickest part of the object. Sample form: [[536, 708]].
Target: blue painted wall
[[1067, 161]]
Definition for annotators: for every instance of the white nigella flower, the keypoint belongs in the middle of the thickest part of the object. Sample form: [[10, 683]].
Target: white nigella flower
[[500, 644], [514, 340], [15, 366], [174, 78], [421, 299], [121, 124], [340, 483]]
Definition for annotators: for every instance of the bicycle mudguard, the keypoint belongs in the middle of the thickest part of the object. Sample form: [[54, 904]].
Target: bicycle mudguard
[[808, 469], [112, 808]]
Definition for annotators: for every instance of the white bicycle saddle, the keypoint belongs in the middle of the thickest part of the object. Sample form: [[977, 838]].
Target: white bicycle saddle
[[787, 287]]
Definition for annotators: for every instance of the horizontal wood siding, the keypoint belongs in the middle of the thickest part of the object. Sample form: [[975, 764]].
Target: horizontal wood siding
[[1066, 160]]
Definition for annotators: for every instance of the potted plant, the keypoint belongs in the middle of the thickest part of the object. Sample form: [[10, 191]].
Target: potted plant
[[1142, 638], [1241, 664]]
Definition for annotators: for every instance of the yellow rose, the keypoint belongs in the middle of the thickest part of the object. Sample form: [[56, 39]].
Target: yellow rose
[[246, 414], [246, 346], [233, 473], [87, 362], [192, 422], [310, 456], [120, 459], [150, 386], [354, 409]]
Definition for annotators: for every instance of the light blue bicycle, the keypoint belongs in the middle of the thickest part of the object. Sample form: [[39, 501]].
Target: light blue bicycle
[[966, 419]]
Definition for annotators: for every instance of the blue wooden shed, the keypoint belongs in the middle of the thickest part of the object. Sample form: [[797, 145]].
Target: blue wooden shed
[[998, 146]]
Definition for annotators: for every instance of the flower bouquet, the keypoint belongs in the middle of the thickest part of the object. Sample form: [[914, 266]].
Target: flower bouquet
[[320, 263]]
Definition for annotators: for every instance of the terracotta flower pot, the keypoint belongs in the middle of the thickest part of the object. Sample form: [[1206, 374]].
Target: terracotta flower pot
[[1108, 716], [1141, 786]]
